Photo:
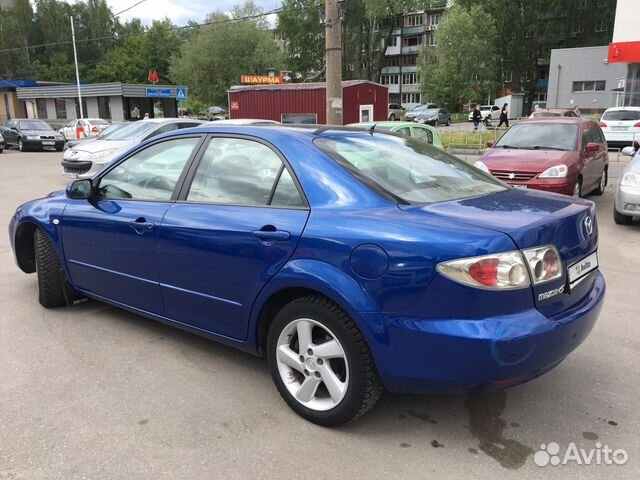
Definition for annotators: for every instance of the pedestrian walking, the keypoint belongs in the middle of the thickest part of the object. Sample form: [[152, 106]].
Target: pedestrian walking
[[504, 116], [476, 116]]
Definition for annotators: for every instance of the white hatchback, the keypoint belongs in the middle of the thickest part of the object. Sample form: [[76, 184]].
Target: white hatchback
[[84, 128], [621, 125]]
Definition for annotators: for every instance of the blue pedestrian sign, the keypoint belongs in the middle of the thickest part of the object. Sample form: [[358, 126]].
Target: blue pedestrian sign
[[181, 93]]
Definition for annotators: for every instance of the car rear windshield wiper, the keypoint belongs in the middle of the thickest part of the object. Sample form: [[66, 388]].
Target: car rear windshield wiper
[[508, 146]]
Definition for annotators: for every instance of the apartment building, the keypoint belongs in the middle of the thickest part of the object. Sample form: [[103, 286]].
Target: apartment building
[[409, 32]]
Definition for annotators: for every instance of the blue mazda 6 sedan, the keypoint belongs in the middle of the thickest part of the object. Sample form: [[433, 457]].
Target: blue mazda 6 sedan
[[353, 260]]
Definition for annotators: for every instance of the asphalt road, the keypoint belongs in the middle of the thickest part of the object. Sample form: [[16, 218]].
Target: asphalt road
[[98, 393]]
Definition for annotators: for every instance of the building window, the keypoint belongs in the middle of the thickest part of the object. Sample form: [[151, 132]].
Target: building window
[[41, 107], [393, 61], [589, 86], [61, 108], [435, 19], [601, 25], [409, 60], [397, 21], [508, 76], [390, 79], [577, 29], [411, 98], [412, 41], [104, 107], [432, 40], [393, 41], [410, 78], [413, 20]]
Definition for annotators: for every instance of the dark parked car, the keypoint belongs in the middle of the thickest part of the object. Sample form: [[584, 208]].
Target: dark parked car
[[434, 116], [1, 143], [32, 135], [559, 154], [353, 260]]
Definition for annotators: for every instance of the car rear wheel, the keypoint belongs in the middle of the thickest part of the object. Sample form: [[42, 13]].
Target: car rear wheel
[[603, 183], [392, 117], [320, 362], [577, 189], [621, 219], [448, 122], [51, 281]]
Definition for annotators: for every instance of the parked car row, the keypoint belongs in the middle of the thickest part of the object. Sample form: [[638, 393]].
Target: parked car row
[[31, 134]]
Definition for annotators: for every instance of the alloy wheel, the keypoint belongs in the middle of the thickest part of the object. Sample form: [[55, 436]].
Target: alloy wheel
[[577, 190], [312, 364], [20, 146], [603, 180]]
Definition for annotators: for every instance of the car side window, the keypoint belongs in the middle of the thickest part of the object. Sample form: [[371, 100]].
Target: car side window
[[404, 131], [150, 174], [169, 127], [188, 124], [586, 135], [237, 171], [286, 194], [423, 134]]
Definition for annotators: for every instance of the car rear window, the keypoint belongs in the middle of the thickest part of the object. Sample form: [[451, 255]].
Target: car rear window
[[622, 115], [405, 169], [540, 136]]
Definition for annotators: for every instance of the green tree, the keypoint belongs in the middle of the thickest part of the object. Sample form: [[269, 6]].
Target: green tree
[[214, 57], [465, 66]]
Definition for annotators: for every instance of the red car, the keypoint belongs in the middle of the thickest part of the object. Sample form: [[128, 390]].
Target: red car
[[562, 155]]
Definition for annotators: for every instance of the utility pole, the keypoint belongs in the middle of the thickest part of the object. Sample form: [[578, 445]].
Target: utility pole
[[75, 57], [333, 54]]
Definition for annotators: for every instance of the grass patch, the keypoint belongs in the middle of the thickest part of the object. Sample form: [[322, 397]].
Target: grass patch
[[471, 140]]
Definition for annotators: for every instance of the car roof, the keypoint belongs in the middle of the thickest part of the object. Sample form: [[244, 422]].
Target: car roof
[[563, 120], [621, 109]]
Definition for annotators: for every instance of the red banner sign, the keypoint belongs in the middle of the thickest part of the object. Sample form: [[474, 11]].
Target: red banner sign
[[235, 105]]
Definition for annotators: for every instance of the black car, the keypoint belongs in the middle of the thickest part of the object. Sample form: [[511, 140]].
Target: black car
[[31, 134], [1, 143]]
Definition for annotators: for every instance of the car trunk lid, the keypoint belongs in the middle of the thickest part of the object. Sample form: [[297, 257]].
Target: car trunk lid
[[534, 219]]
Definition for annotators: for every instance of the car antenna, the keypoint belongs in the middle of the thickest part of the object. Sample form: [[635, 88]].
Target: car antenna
[[373, 127]]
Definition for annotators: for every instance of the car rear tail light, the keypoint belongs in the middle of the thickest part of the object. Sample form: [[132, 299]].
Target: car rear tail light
[[636, 125], [94, 129], [544, 264], [602, 124], [500, 271]]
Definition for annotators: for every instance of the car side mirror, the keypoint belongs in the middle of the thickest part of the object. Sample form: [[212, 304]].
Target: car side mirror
[[592, 147], [628, 151], [80, 189], [491, 143]]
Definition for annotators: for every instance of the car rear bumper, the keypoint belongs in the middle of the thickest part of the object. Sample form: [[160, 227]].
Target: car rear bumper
[[422, 355], [627, 200], [622, 138]]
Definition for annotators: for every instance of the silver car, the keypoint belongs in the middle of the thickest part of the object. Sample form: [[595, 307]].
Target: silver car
[[87, 158], [627, 198]]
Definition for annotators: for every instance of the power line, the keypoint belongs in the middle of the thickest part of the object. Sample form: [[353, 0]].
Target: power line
[[128, 8], [184, 27]]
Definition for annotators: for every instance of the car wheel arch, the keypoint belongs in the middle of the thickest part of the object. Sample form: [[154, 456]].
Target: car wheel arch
[[290, 284], [25, 248]]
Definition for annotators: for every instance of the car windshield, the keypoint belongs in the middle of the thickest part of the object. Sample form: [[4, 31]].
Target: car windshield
[[418, 107], [131, 131], [406, 169], [622, 115], [34, 125], [97, 121], [545, 136], [431, 111]]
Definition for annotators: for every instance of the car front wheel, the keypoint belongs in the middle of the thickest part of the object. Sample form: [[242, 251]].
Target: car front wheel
[[51, 281], [20, 145], [603, 183], [577, 189], [621, 219], [320, 362]]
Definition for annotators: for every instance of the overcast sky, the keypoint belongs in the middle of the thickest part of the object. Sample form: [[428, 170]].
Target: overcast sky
[[179, 11]]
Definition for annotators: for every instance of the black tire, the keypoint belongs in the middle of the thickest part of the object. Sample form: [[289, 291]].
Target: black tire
[[1, 150], [392, 117], [20, 145], [364, 387], [603, 183], [621, 219], [448, 122], [578, 188], [51, 281]]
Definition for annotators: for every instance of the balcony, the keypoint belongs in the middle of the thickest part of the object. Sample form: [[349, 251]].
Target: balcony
[[390, 70], [417, 30], [411, 49]]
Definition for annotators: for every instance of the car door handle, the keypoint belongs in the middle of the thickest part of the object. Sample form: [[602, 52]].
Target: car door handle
[[272, 235], [141, 226]]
